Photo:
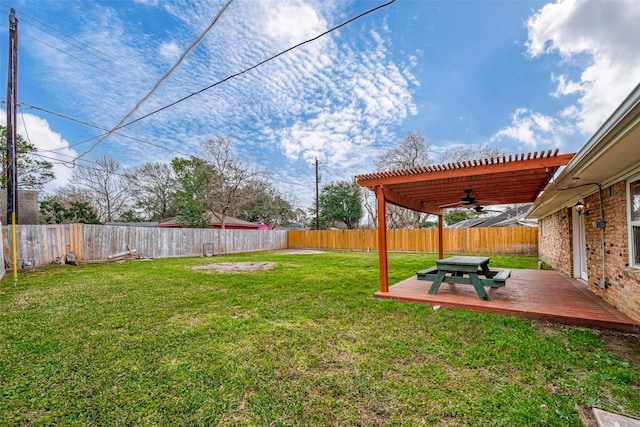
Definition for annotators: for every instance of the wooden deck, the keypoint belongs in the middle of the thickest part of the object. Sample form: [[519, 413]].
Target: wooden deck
[[532, 294]]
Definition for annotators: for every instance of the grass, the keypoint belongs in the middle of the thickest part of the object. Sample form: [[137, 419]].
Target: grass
[[157, 343]]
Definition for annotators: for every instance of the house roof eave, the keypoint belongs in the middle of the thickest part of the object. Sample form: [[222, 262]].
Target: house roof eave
[[610, 155]]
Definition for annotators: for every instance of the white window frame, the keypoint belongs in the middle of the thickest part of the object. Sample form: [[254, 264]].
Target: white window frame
[[631, 223]]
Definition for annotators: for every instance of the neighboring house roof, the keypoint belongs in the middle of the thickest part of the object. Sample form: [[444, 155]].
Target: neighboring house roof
[[468, 223], [132, 224], [508, 218], [611, 155], [229, 222]]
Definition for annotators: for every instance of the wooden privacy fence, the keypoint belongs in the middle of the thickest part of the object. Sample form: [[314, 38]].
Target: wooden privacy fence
[[489, 240], [46, 244]]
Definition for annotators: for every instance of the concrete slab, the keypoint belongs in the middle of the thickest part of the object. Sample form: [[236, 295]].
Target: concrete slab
[[611, 419]]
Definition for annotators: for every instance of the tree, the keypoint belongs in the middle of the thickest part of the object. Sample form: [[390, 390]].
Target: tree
[[194, 177], [267, 206], [153, 188], [222, 185], [454, 216], [53, 210], [33, 172], [413, 151], [232, 182], [341, 203], [102, 186], [461, 152]]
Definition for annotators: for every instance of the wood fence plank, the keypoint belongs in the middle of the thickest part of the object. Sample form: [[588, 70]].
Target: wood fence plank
[[503, 240]]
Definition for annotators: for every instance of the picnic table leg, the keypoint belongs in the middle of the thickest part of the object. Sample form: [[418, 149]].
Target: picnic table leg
[[477, 283], [486, 272], [437, 282]]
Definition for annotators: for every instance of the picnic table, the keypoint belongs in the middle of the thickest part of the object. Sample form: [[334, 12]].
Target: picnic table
[[468, 270]]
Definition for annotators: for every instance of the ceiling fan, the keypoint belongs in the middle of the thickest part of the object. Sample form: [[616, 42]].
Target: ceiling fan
[[466, 202], [481, 210]]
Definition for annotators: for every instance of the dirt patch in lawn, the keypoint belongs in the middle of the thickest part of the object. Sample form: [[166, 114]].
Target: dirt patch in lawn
[[233, 267], [624, 345], [299, 252]]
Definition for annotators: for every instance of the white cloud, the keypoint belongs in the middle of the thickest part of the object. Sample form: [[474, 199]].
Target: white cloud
[[50, 145], [332, 98], [532, 129], [605, 34], [291, 23], [170, 51]]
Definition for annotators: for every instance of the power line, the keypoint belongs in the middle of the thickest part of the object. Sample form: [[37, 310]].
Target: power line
[[79, 44], [73, 119], [66, 53], [163, 78], [246, 70], [66, 117]]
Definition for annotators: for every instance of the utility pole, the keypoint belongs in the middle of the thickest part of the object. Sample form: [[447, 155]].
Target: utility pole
[[12, 100], [12, 149], [317, 199]]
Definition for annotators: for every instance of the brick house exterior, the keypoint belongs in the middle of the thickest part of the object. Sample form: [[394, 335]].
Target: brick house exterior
[[554, 241], [590, 217]]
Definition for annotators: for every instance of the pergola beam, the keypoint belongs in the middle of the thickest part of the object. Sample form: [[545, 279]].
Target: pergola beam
[[400, 200], [389, 178]]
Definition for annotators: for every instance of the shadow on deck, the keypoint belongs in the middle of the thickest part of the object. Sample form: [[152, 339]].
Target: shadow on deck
[[532, 294]]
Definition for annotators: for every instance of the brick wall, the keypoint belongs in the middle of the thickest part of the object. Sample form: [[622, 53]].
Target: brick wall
[[623, 282], [555, 235]]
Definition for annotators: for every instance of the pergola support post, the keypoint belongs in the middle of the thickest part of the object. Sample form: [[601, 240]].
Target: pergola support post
[[382, 239], [440, 239]]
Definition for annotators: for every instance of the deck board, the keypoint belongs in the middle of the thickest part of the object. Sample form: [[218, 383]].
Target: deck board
[[533, 294]]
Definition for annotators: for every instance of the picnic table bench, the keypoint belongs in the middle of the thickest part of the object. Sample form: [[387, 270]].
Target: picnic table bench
[[467, 270]]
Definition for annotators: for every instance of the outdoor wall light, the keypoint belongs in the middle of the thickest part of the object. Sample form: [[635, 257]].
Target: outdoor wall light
[[579, 207]]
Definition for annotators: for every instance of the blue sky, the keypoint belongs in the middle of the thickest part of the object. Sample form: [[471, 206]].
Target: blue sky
[[523, 75]]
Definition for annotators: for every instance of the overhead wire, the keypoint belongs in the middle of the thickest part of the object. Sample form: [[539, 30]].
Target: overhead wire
[[163, 78], [23, 34], [70, 162], [57, 33], [82, 122], [246, 70], [122, 123]]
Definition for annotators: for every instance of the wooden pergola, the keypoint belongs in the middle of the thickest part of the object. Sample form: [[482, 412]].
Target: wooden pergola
[[431, 189]]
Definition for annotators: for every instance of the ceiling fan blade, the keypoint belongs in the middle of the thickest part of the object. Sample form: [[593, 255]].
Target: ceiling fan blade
[[450, 205]]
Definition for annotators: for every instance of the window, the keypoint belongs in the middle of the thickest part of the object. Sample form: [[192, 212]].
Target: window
[[634, 223]]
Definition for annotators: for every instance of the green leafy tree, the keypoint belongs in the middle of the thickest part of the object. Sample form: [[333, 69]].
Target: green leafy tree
[[130, 215], [33, 172], [454, 216], [341, 202], [267, 205], [55, 211], [194, 176]]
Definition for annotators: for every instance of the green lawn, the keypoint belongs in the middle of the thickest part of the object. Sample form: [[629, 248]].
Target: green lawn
[[157, 343]]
